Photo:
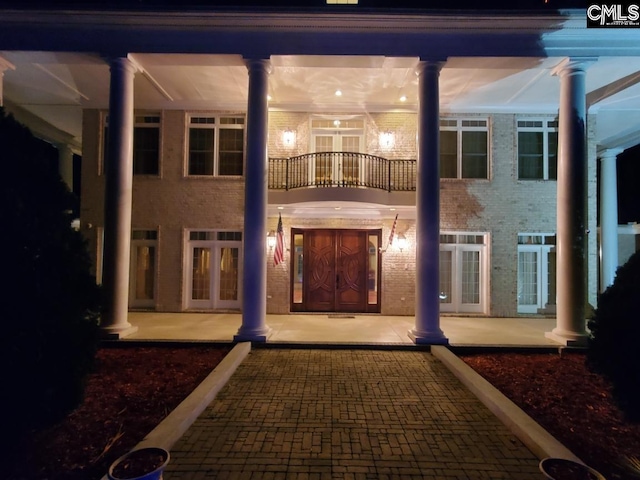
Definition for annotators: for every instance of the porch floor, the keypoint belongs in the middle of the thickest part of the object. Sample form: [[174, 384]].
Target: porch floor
[[343, 329]]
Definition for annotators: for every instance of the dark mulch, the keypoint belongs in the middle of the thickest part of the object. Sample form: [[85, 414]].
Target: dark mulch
[[571, 402], [132, 390]]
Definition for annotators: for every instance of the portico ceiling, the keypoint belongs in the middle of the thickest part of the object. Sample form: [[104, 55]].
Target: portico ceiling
[[49, 89]]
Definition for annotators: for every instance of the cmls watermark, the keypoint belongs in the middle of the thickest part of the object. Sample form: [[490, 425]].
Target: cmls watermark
[[616, 15]]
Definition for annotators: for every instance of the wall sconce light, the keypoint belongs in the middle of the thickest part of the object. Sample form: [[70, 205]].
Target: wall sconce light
[[289, 138], [271, 239], [387, 140], [402, 242]]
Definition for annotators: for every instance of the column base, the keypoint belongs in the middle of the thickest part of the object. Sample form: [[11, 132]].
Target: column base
[[116, 333], [255, 335], [568, 338], [428, 338]]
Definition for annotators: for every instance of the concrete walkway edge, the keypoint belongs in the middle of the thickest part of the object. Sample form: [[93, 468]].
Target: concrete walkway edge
[[541, 443], [169, 431]]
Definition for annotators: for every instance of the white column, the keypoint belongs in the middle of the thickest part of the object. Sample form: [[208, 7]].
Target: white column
[[608, 217], [118, 196], [427, 328], [4, 65], [65, 164], [572, 221], [254, 275]]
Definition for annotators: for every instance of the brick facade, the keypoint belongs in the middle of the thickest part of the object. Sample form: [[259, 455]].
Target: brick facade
[[172, 203]]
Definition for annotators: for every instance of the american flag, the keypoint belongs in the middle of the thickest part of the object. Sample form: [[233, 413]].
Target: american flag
[[278, 254], [393, 230]]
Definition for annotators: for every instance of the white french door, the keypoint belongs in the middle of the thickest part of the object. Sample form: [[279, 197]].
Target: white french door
[[335, 169], [213, 274], [463, 273], [536, 277], [142, 274]]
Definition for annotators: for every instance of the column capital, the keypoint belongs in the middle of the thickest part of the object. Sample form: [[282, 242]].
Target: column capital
[[258, 64], [610, 153], [573, 65], [122, 62], [429, 64]]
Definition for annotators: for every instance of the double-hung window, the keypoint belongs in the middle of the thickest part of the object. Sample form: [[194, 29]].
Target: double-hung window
[[464, 148], [537, 149], [216, 145], [146, 144]]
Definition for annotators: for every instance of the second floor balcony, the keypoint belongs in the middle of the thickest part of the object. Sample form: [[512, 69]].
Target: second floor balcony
[[342, 170]]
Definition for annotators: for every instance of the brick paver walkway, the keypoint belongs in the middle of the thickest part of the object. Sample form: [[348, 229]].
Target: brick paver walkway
[[347, 414]]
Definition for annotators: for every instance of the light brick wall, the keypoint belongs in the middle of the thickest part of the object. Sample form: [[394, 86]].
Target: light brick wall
[[172, 203]]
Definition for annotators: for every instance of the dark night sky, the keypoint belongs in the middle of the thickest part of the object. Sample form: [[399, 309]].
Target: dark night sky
[[535, 5]]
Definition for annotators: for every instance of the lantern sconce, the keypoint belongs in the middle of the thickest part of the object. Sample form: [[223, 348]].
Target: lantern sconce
[[387, 140], [402, 242], [289, 138], [271, 239]]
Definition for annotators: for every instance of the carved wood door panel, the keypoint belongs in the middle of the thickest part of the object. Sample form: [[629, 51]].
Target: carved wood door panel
[[335, 271]]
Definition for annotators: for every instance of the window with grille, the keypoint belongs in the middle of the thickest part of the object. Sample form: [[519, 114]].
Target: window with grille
[[537, 149], [216, 146], [146, 144], [464, 148]]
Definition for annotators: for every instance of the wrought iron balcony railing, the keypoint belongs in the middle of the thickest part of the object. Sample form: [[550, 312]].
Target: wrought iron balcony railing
[[342, 169]]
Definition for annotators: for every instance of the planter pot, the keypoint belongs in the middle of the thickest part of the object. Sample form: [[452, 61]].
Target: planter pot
[[562, 469], [143, 464]]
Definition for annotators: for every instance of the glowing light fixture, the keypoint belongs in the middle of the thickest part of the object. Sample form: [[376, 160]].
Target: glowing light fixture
[[387, 140], [289, 138], [403, 98], [271, 239], [402, 242], [338, 93], [336, 123]]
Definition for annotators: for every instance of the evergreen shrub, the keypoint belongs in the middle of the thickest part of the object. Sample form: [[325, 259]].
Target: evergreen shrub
[[49, 300], [614, 348]]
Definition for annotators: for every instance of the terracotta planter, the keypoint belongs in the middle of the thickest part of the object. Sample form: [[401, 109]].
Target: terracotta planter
[[562, 469], [142, 464]]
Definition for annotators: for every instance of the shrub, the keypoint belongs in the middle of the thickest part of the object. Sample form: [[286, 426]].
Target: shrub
[[49, 301], [615, 330]]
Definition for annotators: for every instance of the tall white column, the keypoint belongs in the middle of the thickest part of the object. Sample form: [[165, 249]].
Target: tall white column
[[254, 275], [427, 328], [608, 217], [65, 164], [572, 218], [118, 197]]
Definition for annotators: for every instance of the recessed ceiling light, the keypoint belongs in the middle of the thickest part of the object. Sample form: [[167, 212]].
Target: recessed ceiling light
[[337, 208], [269, 98], [403, 98], [280, 208], [338, 93]]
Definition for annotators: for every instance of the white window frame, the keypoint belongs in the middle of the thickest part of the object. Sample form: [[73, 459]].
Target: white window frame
[[135, 243], [455, 304], [545, 126], [458, 125], [213, 302], [216, 126], [542, 248], [141, 120], [337, 132]]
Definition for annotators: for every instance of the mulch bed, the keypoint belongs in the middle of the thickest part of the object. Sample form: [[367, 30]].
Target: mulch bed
[[571, 402], [132, 390]]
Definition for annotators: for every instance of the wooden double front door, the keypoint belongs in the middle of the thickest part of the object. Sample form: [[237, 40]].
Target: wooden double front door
[[335, 271]]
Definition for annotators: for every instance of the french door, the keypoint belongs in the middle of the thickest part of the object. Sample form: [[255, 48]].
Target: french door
[[329, 137], [335, 271], [536, 272], [213, 270], [463, 273]]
